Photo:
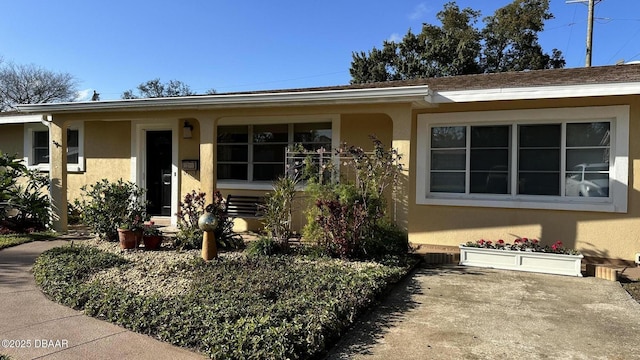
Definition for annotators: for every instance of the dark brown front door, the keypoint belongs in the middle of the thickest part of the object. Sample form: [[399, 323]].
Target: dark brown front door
[[159, 172]]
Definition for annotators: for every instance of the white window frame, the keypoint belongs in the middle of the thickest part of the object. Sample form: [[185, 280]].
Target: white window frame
[[618, 116], [274, 120], [30, 128]]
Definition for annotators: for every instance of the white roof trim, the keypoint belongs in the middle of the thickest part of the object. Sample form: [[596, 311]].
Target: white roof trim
[[539, 92], [20, 119], [344, 96]]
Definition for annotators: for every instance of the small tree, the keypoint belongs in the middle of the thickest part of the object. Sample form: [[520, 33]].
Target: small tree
[[278, 210]]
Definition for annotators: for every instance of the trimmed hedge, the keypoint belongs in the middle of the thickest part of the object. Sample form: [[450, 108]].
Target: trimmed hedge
[[244, 308]]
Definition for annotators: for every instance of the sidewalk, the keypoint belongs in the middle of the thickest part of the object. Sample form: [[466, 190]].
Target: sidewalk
[[47, 330]]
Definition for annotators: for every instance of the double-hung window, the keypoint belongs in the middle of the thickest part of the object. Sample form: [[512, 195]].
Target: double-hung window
[[572, 159], [256, 152], [37, 142]]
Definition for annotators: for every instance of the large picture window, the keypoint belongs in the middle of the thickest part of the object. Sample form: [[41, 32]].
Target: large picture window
[[563, 158], [257, 152]]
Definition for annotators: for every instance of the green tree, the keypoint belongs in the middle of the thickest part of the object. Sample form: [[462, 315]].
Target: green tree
[[511, 38], [155, 89], [32, 84], [509, 42], [452, 49]]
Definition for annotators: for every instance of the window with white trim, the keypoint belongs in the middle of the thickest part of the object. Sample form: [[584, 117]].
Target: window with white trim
[[36, 147], [549, 158], [257, 152]]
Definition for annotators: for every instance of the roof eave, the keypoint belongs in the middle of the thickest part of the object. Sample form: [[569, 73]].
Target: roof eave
[[535, 92], [407, 94]]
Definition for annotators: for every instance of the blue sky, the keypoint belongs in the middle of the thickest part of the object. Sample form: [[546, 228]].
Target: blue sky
[[241, 45]]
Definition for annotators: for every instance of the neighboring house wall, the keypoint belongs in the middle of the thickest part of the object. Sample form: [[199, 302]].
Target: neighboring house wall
[[607, 233]]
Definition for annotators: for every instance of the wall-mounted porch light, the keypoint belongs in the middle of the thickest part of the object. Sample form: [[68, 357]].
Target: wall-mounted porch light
[[186, 130]]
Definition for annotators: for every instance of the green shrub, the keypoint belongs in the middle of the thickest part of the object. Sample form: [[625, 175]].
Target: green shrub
[[348, 218], [386, 240], [60, 272], [30, 197], [189, 235], [265, 245], [255, 307], [105, 206]]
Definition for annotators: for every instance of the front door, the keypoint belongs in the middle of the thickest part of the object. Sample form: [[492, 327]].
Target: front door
[[158, 177]]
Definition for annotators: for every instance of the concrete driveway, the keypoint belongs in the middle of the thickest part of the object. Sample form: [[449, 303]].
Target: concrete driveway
[[473, 313]]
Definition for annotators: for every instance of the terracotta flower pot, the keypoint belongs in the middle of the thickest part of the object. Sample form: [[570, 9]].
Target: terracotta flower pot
[[128, 239], [152, 242]]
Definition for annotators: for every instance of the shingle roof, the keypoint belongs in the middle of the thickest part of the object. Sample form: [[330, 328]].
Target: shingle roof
[[548, 77]]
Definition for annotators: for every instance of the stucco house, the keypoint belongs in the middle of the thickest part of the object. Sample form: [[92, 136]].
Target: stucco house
[[548, 154]]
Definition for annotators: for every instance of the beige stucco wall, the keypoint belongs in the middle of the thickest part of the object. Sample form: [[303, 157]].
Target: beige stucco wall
[[599, 234], [612, 235], [355, 129], [107, 151], [11, 139]]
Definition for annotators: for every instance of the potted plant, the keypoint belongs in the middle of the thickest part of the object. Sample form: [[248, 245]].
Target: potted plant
[[131, 224], [523, 255], [151, 236], [130, 233]]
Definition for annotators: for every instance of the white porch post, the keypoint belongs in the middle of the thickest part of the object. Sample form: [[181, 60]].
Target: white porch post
[[58, 173]]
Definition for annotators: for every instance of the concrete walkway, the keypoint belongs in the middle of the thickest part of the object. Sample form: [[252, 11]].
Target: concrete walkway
[[472, 313], [47, 330]]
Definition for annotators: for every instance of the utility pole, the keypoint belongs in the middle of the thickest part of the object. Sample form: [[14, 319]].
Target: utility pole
[[589, 33], [591, 4]]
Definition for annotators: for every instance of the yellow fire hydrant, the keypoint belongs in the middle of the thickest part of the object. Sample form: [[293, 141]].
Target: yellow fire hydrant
[[208, 222]]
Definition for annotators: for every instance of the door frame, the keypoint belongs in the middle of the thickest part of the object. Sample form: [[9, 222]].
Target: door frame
[[139, 157]]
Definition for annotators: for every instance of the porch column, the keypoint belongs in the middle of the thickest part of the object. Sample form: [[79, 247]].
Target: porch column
[[401, 117], [58, 173], [207, 157]]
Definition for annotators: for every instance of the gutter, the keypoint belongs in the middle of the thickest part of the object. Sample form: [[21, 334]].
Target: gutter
[[418, 95]]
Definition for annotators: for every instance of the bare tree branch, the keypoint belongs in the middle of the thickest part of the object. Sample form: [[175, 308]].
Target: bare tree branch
[[32, 84]]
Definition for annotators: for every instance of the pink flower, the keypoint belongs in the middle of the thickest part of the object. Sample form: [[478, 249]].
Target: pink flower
[[501, 242], [535, 241]]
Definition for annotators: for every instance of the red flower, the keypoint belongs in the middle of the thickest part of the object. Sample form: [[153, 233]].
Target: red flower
[[535, 241], [500, 241]]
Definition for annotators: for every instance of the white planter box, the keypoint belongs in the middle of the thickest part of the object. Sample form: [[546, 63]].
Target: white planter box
[[541, 262]]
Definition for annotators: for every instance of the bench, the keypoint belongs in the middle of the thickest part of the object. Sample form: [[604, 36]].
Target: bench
[[249, 207]]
